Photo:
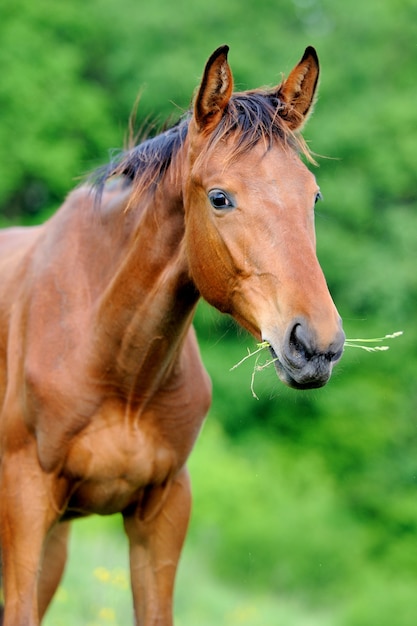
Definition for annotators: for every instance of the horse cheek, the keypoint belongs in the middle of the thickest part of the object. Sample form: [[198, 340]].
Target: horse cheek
[[210, 267]]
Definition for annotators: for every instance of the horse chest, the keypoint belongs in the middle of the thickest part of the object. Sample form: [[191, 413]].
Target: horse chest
[[118, 455]]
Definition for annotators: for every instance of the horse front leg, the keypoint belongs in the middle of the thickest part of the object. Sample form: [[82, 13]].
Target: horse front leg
[[53, 564], [156, 532], [28, 510]]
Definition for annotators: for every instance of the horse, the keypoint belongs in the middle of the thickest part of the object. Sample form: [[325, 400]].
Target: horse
[[102, 388]]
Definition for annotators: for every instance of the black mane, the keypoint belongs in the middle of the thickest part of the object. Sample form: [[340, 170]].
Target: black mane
[[251, 116]]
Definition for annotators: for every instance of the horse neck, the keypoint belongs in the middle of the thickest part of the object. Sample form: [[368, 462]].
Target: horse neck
[[147, 309]]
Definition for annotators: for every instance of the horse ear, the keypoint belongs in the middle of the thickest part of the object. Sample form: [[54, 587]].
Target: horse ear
[[298, 90], [214, 92]]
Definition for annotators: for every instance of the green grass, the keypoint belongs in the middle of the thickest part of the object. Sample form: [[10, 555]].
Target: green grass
[[220, 579], [95, 590], [272, 541]]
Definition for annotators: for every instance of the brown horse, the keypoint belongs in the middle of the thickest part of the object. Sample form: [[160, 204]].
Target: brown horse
[[102, 390]]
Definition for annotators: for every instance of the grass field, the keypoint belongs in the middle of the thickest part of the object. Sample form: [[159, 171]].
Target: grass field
[[271, 543], [95, 590]]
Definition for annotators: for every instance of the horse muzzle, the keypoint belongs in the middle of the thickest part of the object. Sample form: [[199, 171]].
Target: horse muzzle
[[300, 362]]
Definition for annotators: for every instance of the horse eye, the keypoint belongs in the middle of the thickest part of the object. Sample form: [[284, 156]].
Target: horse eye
[[220, 200], [318, 197]]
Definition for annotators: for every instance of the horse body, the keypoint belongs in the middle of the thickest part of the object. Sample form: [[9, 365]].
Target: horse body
[[102, 389], [97, 363], [108, 391]]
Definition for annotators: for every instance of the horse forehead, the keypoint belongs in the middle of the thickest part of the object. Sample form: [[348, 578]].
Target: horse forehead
[[284, 169], [275, 165]]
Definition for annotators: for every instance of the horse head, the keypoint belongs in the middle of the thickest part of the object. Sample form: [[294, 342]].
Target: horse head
[[249, 210]]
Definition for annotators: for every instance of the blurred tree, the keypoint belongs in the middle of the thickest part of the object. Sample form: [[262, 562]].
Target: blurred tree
[[55, 118]]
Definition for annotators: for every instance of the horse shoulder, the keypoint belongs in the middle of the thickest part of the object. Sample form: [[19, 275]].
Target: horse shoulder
[[16, 249], [43, 314]]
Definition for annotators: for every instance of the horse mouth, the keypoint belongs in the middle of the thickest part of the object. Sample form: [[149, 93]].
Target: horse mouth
[[313, 374]]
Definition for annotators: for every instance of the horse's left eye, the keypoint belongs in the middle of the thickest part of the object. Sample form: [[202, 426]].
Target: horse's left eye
[[220, 200], [318, 197]]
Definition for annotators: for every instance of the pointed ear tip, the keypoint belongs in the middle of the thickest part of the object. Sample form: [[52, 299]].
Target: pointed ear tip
[[310, 51], [221, 50]]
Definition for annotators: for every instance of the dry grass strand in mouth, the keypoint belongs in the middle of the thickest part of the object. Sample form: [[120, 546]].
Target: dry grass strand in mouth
[[349, 343], [357, 343], [260, 347]]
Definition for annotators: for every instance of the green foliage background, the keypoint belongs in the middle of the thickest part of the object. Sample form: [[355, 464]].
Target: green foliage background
[[305, 502]]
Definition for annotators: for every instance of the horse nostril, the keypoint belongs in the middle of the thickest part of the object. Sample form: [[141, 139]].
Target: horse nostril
[[302, 346], [307, 356], [299, 343]]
